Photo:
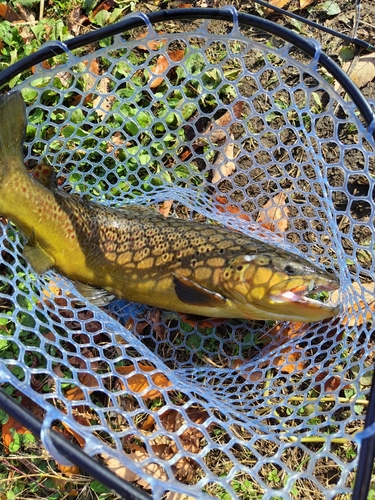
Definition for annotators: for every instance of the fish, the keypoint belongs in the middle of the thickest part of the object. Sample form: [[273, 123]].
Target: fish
[[136, 254]]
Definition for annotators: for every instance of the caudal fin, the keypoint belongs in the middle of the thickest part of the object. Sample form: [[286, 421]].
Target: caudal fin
[[12, 128]]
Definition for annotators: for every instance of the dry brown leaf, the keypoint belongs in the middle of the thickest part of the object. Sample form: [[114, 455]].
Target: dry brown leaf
[[363, 71], [103, 105], [68, 470], [7, 434], [81, 420], [332, 384], [171, 420], [152, 44], [285, 332], [171, 495], [138, 382], [9, 14], [138, 454], [228, 167], [76, 19], [303, 4], [355, 315], [162, 65], [276, 3], [233, 209], [289, 361], [199, 321], [106, 5], [76, 393], [165, 207], [274, 214]]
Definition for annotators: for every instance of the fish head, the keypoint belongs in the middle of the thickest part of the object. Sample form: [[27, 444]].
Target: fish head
[[277, 286]]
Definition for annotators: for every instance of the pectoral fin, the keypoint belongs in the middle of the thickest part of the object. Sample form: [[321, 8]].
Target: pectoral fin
[[96, 296], [38, 259], [190, 292]]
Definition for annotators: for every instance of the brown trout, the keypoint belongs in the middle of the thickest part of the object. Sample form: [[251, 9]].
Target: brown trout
[[139, 255]]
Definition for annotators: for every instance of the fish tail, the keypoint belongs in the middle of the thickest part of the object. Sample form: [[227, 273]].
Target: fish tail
[[12, 132]]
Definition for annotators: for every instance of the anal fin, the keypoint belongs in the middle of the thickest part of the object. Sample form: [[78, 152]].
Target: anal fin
[[192, 293], [38, 259]]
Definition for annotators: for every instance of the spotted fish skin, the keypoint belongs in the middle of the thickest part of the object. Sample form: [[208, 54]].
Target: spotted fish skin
[[139, 255]]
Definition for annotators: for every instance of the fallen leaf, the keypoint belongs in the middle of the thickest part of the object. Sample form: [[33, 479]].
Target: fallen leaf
[[232, 209], [76, 393], [227, 167], [162, 65], [274, 214], [361, 311], [9, 14], [26, 14], [332, 384], [68, 470], [81, 420], [76, 20], [199, 321], [102, 105], [362, 72], [303, 4], [138, 454], [106, 5], [165, 207], [171, 495], [138, 382], [276, 3], [152, 44], [118, 468], [285, 332], [6, 430], [289, 362]]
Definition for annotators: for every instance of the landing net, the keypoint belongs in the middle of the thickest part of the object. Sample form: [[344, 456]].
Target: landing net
[[225, 122]]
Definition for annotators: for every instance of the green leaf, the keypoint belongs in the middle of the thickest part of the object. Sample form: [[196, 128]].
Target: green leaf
[[144, 119], [70, 130], [346, 54], [330, 8], [29, 95], [99, 487], [28, 3], [77, 116], [366, 378], [101, 18]]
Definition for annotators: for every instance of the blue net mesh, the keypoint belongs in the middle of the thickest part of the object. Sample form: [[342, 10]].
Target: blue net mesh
[[240, 129]]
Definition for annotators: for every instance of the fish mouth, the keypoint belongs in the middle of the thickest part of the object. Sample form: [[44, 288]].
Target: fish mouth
[[301, 294]]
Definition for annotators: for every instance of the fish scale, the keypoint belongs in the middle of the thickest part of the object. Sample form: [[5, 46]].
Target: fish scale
[[139, 255]]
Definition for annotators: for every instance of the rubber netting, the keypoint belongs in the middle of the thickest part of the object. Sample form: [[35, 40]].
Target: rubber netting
[[224, 124]]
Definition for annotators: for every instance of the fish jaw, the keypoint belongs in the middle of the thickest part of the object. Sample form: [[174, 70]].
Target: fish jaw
[[297, 300]]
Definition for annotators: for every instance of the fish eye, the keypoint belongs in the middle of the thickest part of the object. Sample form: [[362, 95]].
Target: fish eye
[[290, 269]]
